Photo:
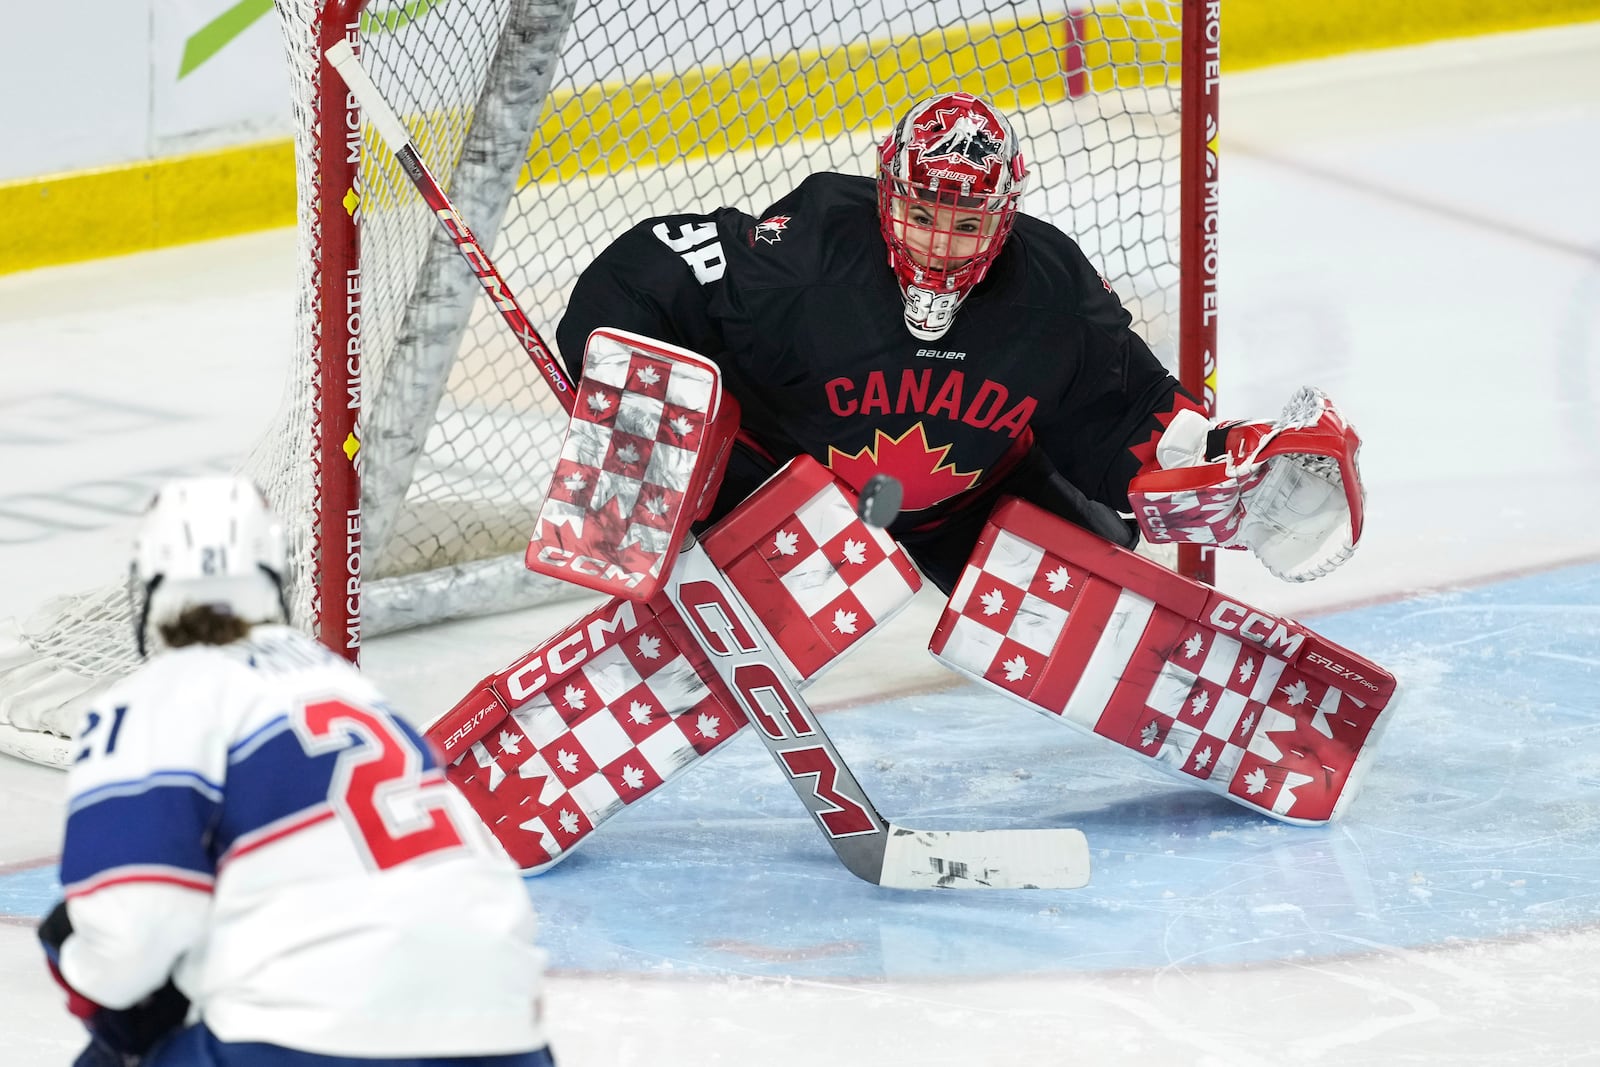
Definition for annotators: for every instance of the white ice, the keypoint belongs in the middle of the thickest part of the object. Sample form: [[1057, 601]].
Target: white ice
[[1415, 231]]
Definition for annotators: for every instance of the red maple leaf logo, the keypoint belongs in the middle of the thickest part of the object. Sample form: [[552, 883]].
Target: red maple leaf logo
[[922, 470]]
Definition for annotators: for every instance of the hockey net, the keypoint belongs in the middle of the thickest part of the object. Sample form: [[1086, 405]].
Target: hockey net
[[554, 125]]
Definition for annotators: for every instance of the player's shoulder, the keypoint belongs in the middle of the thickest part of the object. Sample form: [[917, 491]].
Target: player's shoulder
[[176, 669], [1050, 270], [824, 205], [821, 232], [163, 713], [267, 659], [1050, 250]]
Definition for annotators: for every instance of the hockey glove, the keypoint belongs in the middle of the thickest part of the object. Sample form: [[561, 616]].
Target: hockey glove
[[643, 458], [117, 1037], [1289, 491]]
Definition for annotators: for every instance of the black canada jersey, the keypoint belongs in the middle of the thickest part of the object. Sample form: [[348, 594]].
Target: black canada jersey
[[802, 313]]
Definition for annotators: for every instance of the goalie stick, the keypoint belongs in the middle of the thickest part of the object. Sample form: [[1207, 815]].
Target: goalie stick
[[868, 845], [394, 133]]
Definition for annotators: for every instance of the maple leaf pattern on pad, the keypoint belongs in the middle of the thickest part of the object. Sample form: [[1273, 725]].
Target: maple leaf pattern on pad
[[1296, 693], [648, 376], [708, 725], [485, 759], [569, 822], [1058, 579], [633, 776], [598, 403], [1255, 781], [1247, 669], [994, 602], [628, 454], [574, 483], [568, 760], [510, 743], [855, 552], [640, 712], [1016, 668], [681, 426], [844, 621], [1149, 735], [649, 646], [575, 697], [1192, 647], [786, 543]]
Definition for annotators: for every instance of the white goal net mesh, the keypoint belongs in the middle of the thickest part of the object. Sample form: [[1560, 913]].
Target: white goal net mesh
[[554, 125]]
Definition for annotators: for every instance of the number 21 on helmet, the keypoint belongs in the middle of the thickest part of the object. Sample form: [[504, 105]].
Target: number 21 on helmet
[[950, 176]]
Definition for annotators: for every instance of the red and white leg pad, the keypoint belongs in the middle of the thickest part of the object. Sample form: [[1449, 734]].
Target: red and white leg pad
[[625, 699], [1247, 705], [644, 454]]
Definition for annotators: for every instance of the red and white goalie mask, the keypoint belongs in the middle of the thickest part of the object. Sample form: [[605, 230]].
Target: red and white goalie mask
[[949, 179]]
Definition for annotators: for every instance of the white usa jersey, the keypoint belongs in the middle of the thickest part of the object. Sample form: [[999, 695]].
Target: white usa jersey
[[252, 821]]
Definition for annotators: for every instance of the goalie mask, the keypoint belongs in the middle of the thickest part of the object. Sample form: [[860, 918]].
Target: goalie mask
[[207, 542], [949, 179]]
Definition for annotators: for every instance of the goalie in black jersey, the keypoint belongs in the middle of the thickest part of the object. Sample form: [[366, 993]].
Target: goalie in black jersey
[[920, 325]]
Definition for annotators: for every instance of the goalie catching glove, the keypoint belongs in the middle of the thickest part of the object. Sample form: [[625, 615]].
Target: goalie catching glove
[[1289, 491]]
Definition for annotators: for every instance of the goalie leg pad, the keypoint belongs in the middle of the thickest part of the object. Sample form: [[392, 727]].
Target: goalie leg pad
[[1247, 705], [625, 699], [592, 720]]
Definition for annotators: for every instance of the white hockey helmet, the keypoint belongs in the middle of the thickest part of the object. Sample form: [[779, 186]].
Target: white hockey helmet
[[209, 541]]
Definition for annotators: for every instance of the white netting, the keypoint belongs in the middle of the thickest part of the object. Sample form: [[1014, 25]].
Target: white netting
[[594, 118]]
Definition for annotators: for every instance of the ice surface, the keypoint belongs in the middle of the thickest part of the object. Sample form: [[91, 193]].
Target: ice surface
[[1417, 233]]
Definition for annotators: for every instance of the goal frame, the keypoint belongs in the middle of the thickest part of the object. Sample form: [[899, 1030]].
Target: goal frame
[[1198, 217], [336, 589], [335, 356]]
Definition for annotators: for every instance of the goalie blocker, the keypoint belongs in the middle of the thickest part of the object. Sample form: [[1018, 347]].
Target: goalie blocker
[[643, 456]]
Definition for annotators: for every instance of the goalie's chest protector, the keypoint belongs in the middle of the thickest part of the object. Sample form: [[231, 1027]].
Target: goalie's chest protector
[[822, 362]]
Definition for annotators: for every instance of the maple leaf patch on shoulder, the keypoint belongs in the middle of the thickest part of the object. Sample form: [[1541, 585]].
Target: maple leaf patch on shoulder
[[770, 231]]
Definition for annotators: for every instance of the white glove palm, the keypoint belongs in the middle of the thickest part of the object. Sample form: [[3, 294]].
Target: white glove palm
[[1289, 491]]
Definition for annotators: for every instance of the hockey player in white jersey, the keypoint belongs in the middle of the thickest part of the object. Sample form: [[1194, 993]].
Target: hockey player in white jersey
[[263, 865]]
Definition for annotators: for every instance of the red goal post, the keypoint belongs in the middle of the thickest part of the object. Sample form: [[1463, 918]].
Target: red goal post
[[418, 440]]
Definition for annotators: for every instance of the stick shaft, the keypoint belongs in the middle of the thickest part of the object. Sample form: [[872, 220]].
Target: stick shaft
[[394, 133]]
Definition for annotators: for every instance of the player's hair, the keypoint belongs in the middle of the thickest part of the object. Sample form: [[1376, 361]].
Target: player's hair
[[204, 624]]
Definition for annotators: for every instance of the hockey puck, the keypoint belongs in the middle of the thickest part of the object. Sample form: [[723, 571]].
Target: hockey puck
[[879, 502]]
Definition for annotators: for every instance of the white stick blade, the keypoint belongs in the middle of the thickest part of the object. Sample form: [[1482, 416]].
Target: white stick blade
[[985, 859]]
